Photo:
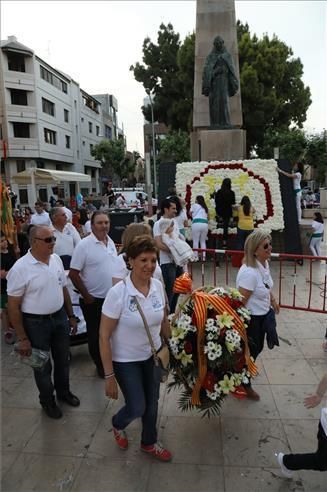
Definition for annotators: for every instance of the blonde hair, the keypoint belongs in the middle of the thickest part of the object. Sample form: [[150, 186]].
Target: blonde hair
[[133, 230], [251, 245]]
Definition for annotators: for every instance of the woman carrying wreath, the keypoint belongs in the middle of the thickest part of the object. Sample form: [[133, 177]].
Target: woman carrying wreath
[[255, 284], [125, 348]]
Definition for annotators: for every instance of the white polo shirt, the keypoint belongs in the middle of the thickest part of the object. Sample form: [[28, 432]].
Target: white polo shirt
[[129, 341], [95, 261], [121, 271], [66, 240], [164, 257], [41, 219], [255, 279], [41, 285]]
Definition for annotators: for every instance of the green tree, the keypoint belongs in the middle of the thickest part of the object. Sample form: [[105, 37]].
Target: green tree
[[167, 72], [273, 93], [291, 143], [112, 155], [316, 156], [175, 147]]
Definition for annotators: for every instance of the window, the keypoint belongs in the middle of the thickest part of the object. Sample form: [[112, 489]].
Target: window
[[83, 142], [48, 107], [108, 132], [21, 166], [53, 79], [50, 136], [91, 148], [21, 130], [40, 164], [23, 196], [92, 173], [90, 127], [67, 137], [66, 115], [16, 62], [43, 194], [90, 103], [59, 167], [82, 120], [18, 97], [97, 129]]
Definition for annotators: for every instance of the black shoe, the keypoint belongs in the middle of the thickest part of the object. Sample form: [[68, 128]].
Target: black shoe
[[52, 410], [70, 399]]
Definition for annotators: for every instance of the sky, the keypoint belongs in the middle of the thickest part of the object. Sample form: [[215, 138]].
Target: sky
[[96, 42]]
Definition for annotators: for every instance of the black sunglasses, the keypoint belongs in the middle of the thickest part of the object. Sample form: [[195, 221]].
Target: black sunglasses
[[266, 246], [50, 239]]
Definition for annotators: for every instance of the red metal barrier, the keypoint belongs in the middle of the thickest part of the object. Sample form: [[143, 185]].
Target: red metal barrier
[[300, 281]]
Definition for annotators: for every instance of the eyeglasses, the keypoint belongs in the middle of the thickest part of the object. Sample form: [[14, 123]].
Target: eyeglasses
[[50, 239], [266, 246]]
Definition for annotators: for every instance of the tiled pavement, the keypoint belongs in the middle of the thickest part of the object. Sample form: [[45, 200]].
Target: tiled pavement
[[231, 453]]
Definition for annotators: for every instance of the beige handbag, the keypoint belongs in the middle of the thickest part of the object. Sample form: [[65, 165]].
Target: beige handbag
[[162, 357]]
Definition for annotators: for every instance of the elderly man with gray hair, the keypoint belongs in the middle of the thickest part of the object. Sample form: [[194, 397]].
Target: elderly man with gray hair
[[41, 313], [66, 235]]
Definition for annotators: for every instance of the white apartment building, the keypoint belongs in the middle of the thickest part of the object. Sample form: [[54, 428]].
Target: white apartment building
[[48, 121]]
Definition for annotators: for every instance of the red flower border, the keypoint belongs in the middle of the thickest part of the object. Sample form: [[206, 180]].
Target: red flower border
[[240, 166]]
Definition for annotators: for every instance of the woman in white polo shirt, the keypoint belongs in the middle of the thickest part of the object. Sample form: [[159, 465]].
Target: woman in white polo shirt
[[296, 175], [125, 348], [255, 284], [199, 213]]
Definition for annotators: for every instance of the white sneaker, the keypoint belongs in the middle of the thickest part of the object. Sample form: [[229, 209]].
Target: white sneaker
[[285, 471]]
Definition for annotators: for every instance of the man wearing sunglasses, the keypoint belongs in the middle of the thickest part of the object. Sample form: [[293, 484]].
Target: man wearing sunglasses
[[41, 312]]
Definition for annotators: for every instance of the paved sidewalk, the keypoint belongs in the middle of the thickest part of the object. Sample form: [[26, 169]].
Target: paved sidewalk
[[231, 453]]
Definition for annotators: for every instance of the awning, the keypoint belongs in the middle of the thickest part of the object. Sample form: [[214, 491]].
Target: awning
[[36, 175]]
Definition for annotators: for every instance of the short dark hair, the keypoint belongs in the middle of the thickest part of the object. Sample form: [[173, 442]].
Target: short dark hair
[[166, 203], [41, 204], [96, 213], [61, 202], [139, 245]]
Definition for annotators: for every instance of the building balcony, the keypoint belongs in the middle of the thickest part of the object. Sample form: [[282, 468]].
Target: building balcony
[[19, 80], [21, 113], [22, 147]]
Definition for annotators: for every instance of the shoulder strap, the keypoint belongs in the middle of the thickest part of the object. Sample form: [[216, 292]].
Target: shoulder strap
[[147, 329]]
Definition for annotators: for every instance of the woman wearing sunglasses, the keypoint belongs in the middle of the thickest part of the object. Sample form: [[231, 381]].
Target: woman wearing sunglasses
[[255, 284]]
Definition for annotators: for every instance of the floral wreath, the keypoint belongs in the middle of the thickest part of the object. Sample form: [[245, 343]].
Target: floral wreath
[[210, 356]]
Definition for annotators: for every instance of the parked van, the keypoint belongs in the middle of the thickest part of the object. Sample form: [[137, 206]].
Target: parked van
[[131, 194]]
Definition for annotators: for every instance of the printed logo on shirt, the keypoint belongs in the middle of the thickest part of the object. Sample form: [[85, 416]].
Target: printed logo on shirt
[[132, 306], [156, 303]]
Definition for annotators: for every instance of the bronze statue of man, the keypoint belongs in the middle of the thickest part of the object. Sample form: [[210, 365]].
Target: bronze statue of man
[[219, 82]]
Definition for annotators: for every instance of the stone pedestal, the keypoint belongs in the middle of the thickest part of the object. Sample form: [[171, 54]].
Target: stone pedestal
[[218, 145]]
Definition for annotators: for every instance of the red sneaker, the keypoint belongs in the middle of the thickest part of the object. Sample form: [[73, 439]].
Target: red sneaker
[[121, 438], [158, 451]]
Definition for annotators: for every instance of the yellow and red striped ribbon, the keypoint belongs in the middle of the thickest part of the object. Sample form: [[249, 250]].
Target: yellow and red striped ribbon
[[201, 301]]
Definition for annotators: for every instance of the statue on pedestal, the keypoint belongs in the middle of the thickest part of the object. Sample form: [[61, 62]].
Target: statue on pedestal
[[219, 82]]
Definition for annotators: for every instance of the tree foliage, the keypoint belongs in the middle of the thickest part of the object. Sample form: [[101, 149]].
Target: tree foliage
[[273, 93], [111, 154], [291, 143], [167, 72], [175, 147], [316, 156]]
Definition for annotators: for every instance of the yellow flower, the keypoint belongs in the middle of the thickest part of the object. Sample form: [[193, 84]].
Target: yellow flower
[[178, 332], [184, 358], [227, 384], [230, 347], [225, 320]]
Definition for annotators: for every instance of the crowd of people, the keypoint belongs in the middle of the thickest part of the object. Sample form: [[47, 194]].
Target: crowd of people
[[118, 290]]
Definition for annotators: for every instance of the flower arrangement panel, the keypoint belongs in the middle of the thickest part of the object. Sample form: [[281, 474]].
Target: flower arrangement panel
[[210, 356], [256, 178]]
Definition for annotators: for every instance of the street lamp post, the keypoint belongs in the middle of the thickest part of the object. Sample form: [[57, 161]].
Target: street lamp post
[[153, 148]]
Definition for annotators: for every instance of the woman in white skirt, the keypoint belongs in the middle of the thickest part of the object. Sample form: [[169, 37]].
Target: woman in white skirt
[[199, 213]]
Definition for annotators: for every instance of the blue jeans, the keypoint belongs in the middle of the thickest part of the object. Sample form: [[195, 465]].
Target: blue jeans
[[51, 334], [170, 272], [242, 234], [141, 393]]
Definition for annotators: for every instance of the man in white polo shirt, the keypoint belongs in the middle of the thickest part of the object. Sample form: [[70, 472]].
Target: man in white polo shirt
[[68, 212], [91, 270], [40, 217], [67, 237], [38, 306], [170, 271]]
